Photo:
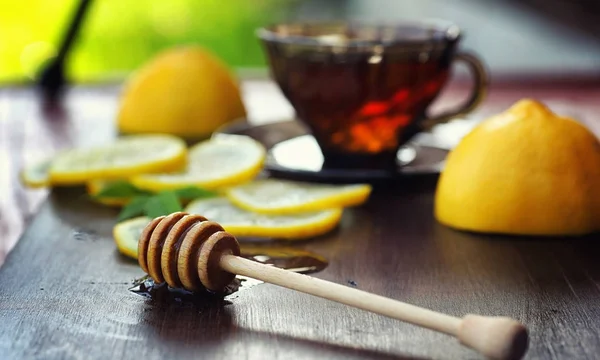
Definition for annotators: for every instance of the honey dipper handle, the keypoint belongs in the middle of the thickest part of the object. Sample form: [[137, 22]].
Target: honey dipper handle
[[342, 294], [494, 337]]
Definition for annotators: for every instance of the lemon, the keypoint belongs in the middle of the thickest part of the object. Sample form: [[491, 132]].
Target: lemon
[[222, 161], [185, 91], [127, 156], [126, 235], [526, 171], [242, 223], [271, 196], [36, 175]]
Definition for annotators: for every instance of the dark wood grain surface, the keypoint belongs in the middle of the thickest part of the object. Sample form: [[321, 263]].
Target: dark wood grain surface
[[64, 288], [64, 291]]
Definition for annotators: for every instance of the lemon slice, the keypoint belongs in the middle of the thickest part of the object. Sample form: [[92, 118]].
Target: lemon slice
[[243, 223], [127, 156], [223, 160], [272, 196], [36, 175], [127, 233]]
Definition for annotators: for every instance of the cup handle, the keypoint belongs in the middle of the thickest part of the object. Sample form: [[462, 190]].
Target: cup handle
[[480, 80]]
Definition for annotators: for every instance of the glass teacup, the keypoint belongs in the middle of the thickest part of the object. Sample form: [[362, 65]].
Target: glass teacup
[[363, 89]]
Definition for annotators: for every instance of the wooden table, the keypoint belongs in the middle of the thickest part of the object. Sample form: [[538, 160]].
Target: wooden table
[[63, 289]]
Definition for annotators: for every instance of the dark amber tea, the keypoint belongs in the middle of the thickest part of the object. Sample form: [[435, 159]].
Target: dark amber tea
[[363, 90], [361, 107]]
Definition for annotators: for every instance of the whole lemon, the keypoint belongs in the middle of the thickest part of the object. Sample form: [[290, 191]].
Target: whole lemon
[[526, 171], [184, 91]]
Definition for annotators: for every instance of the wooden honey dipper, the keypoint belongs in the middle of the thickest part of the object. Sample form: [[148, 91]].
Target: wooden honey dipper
[[190, 252]]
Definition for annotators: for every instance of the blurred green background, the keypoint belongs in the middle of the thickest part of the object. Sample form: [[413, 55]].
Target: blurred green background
[[119, 35]]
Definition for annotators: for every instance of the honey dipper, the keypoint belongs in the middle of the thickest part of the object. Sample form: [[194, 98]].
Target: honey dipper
[[190, 252]]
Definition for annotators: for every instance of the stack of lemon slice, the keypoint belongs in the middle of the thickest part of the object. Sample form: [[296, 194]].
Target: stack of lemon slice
[[264, 208], [222, 161], [245, 204]]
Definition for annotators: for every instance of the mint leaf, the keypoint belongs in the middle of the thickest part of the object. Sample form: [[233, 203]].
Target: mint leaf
[[134, 208], [152, 205], [120, 188], [163, 203], [191, 193]]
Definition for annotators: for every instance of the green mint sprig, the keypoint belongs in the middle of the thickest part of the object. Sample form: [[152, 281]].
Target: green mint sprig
[[145, 203], [120, 189]]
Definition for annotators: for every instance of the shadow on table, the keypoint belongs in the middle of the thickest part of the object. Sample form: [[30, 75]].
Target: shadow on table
[[196, 324], [324, 349], [73, 206], [189, 329]]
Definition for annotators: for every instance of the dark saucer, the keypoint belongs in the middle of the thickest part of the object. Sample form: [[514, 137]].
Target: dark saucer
[[294, 154]]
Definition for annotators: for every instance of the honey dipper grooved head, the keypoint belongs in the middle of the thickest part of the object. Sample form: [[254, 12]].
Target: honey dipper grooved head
[[184, 250]]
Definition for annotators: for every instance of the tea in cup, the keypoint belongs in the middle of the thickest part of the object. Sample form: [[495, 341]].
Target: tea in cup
[[363, 90]]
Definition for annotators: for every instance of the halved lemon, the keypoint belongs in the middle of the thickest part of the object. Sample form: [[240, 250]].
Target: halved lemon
[[127, 233], [242, 223], [36, 175], [125, 157], [271, 196], [224, 160]]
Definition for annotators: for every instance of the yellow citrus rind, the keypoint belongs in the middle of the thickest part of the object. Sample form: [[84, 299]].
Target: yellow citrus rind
[[213, 164], [125, 157], [127, 233], [271, 196], [526, 171], [242, 223]]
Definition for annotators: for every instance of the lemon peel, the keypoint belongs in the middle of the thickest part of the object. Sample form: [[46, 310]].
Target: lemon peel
[[124, 157], [272, 196], [526, 171], [242, 223], [222, 161]]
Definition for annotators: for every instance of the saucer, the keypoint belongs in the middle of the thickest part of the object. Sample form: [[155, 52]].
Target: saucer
[[292, 153]]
